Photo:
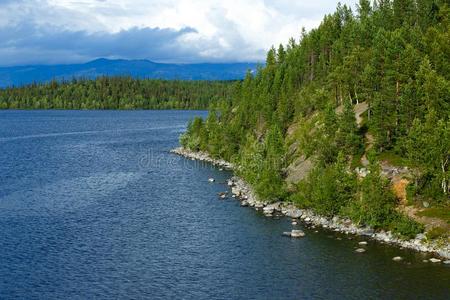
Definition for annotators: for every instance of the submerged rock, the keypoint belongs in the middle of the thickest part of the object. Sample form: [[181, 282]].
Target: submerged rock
[[297, 233], [397, 258], [367, 231]]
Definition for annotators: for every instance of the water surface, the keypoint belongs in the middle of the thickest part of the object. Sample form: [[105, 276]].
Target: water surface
[[92, 205]]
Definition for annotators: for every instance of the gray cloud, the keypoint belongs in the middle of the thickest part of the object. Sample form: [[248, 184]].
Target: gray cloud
[[51, 45]]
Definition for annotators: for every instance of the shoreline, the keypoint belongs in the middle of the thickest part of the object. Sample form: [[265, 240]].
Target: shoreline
[[244, 192]]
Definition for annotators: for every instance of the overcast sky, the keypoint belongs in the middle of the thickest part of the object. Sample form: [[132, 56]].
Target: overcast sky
[[182, 31]]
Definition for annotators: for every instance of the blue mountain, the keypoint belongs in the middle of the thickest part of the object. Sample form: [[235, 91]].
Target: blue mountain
[[20, 75]]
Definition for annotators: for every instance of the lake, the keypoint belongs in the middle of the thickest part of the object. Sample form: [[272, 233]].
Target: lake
[[92, 206]]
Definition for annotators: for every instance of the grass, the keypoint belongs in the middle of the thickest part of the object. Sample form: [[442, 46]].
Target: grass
[[442, 213], [436, 232], [392, 158], [356, 160]]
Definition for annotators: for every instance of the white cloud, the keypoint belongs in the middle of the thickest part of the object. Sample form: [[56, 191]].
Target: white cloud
[[233, 30]]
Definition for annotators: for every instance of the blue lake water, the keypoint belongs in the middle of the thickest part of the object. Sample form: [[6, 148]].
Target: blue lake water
[[92, 206]]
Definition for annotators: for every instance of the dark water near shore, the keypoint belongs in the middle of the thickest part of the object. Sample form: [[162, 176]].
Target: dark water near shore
[[92, 206]]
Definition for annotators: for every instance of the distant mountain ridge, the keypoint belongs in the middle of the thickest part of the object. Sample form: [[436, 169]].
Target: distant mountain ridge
[[21, 75]]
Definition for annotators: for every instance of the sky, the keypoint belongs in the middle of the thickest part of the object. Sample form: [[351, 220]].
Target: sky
[[172, 31]]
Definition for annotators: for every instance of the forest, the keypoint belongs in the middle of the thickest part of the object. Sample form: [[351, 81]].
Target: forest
[[365, 97], [116, 93]]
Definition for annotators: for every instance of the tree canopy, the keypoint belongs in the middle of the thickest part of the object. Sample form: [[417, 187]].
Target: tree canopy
[[393, 56]]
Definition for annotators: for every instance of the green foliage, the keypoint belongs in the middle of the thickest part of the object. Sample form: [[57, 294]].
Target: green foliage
[[270, 184], [328, 189], [347, 136], [116, 93], [261, 164], [392, 55], [428, 149], [406, 227], [194, 135], [375, 202]]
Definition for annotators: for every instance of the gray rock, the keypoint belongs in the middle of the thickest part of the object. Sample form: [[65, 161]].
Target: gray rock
[[397, 258], [425, 204], [367, 231], [363, 243], [244, 203], [259, 205], [420, 237], [268, 210], [360, 250], [294, 213], [447, 262], [287, 233], [211, 180], [435, 260]]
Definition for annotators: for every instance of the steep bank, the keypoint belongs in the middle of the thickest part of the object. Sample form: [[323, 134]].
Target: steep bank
[[245, 193]]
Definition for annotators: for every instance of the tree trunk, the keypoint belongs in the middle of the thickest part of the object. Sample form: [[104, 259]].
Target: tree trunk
[[444, 183], [356, 95], [397, 95]]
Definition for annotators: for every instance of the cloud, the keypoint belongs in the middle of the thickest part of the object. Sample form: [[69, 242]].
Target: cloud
[[66, 31], [29, 43]]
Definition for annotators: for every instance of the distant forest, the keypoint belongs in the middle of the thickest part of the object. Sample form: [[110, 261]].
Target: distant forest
[[116, 93]]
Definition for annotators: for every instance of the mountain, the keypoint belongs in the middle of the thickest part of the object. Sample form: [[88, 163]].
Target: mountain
[[20, 75]]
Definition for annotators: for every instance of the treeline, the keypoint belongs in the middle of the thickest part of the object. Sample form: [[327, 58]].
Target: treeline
[[394, 57], [116, 93]]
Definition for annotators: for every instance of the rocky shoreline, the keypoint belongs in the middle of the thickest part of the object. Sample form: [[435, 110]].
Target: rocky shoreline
[[244, 192]]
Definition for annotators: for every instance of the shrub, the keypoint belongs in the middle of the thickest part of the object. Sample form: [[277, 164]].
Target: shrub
[[406, 227]]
